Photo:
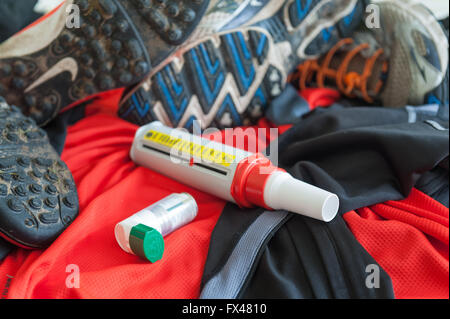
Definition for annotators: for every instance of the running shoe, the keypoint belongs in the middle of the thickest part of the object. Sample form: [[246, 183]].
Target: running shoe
[[403, 62], [85, 47], [38, 197], [238, 60]]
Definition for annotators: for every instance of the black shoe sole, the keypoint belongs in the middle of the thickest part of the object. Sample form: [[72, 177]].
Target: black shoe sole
[[38, 197], [107, 52], [164, 24]]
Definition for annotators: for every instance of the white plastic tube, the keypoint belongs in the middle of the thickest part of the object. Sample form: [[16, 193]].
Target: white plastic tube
[[283, 191]]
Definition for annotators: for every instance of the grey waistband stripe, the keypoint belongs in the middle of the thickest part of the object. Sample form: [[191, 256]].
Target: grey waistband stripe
[[228, 282]]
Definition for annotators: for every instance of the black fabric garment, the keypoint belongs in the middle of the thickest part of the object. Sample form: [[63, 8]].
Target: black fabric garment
[[290, 106], [435, 183], [57, 129], [302, 259], [15, 15], [364, 155], [445, 23], [308, 259], [5, 248], [287, 107]]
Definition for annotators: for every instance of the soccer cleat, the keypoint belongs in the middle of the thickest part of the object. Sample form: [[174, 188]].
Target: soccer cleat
[[403, 62], [85, 47], [238, 60], [38, 197]]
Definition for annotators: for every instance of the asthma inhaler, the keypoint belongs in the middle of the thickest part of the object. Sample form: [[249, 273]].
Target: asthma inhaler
[[244, 178], [143, 233]]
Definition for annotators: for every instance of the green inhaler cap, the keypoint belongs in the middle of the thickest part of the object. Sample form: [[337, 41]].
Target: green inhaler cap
[[147, 242]]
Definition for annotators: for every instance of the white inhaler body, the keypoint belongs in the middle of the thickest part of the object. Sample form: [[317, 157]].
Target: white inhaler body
[[244, 178], [158, 220]]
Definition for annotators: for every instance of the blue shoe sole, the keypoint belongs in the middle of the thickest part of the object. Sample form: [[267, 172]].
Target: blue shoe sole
[[228, 79]]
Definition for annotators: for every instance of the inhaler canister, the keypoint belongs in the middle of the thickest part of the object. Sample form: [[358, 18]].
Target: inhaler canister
[[143, 233], [244, 178]]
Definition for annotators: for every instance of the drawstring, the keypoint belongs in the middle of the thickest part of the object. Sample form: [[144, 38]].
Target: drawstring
[[347, 82]]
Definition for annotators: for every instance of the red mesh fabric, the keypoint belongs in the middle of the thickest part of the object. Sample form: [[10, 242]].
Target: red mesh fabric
[[409, 239]]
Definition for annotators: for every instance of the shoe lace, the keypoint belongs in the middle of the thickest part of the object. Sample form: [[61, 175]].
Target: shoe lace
[[348, 82]]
